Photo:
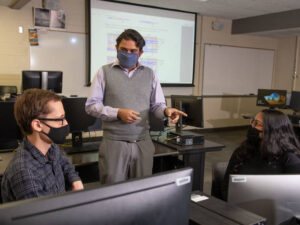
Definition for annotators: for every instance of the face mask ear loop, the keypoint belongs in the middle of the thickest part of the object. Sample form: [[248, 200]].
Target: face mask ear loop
[[45, 123], [47, 126]]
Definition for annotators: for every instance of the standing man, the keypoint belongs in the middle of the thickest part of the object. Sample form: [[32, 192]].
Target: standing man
[[122, 95], [38, 168]]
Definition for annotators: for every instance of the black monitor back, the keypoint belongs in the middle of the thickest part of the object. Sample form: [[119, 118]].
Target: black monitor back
[[271, 98], [156, 124], [295, 101], [33, 79], [8, 123], [156, 200], [77, 117], [191, 105], [9, 130]]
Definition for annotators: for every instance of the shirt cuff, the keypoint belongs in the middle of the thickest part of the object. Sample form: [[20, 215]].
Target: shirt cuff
[[114, 113], [74, 177], [160, 112], [109, 114]]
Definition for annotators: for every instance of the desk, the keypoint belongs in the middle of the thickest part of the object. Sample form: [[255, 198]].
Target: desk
[[193, 156], [213, 211]]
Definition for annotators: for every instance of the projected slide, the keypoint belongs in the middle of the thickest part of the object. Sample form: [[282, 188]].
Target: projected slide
[[169, 37]]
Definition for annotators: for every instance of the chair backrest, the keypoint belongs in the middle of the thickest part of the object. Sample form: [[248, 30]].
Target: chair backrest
[[1, 175], [218, 172], [275, 197]]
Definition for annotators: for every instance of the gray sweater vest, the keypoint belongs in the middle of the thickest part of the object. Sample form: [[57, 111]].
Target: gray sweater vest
[[127, 93]]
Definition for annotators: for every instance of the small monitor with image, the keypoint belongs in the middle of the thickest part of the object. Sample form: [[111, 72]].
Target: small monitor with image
[[271, 98]]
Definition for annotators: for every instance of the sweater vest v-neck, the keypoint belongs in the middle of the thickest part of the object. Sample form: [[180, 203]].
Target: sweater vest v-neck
[[127, 93]]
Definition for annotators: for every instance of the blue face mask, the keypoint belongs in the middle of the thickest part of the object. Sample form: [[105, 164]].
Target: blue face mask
[[127, 60]]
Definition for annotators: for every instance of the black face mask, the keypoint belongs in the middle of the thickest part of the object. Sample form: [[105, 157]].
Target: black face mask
[[57, 135], [253, 136]]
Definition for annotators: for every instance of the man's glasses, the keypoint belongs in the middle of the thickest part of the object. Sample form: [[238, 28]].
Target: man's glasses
[[53, 119], [256, 123]]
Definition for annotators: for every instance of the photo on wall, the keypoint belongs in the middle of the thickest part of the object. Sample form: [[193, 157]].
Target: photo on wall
[[41, 17], [53, 19], [57, 19]]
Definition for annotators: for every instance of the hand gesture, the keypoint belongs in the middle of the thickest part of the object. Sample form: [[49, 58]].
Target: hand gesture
[[174, 114], [128, 115]]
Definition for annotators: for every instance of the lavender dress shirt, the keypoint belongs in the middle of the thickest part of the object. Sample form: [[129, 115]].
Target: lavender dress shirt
[[94, 104]]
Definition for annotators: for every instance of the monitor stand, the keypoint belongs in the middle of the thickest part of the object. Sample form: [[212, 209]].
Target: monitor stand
[[76, 139], [78, 146], [182, 137]]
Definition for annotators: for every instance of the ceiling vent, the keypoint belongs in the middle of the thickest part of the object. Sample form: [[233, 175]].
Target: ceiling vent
[[17, 4]]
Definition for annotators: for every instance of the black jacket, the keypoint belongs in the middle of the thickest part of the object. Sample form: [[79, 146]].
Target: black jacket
[[288, 163]]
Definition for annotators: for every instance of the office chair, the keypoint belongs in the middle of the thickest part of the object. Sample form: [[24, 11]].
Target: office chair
[[218, 172], [88, 172], [1, 175]]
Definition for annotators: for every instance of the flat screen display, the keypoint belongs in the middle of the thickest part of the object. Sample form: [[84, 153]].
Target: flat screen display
[[169, 36], [192, 106], [271, 97], [161, 199]]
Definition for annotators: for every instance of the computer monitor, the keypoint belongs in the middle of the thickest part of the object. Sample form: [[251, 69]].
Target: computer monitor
[[275, 197], [191, 105], [47, 80], [295, 101], [156, 200], [78, 120], [9, 130], [271, 98], [156, 124]]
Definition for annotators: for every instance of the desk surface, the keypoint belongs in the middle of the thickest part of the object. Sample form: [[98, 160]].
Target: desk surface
[[91, 157], [213, 211], [207, 146]]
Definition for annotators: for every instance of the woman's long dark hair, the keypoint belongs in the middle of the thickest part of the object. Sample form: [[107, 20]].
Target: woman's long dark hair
[[278, 134], [278, 137]]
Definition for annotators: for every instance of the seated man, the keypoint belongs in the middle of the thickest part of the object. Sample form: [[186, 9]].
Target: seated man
[[38, 168]]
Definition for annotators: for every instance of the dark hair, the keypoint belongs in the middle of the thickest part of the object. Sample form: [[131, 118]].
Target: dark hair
[[278, 137], [30, 105], [278, 134], [133, 35]]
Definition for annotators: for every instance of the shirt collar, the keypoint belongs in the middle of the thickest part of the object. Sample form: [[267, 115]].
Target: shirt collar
[[38, 155]]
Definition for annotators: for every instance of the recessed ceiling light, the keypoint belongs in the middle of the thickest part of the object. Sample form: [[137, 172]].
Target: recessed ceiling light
[[202, 0]]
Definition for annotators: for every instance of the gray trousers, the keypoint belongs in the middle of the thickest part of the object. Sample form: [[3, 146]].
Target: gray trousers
[[120, 160]]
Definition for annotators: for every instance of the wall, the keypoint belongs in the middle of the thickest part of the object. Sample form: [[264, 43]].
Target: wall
[[15, 48], [285, 63], [218, 112], [296, 83], [224, 111]]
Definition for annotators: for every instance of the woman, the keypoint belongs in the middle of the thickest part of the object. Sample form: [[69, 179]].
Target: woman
[[271, 147]]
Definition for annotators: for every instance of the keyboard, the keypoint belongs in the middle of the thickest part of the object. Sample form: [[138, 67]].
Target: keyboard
[[86, 147]]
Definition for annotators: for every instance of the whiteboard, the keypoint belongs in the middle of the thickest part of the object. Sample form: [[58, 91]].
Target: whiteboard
[[65, 52], [236, 71]]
